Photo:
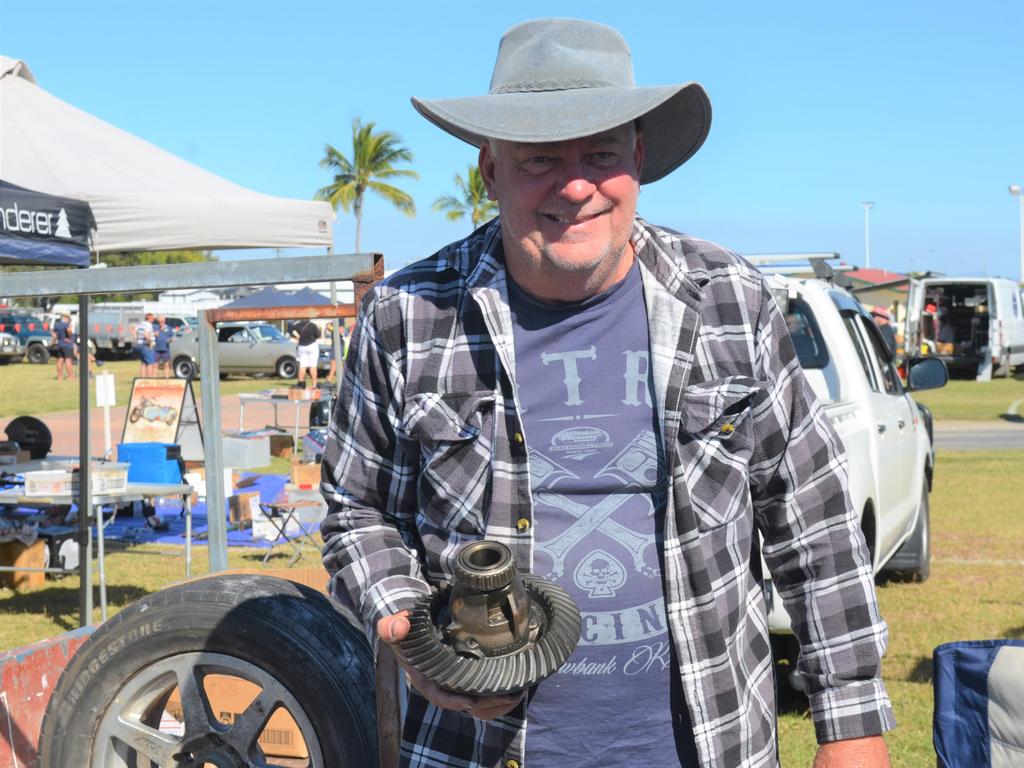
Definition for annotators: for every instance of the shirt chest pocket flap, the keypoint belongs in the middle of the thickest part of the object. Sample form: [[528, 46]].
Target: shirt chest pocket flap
[[434, 418], [718, 407]]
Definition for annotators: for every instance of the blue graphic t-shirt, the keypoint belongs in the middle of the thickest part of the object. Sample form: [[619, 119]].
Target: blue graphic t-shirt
[[598, 489], [162, 338]]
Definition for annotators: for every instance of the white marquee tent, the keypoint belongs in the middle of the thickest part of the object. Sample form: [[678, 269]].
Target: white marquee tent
[[142, 197]]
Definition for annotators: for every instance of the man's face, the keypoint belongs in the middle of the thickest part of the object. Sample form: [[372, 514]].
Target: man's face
[[567, 209]]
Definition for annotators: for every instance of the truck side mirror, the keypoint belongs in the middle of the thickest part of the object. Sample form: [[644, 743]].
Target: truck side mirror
[[926, 373]]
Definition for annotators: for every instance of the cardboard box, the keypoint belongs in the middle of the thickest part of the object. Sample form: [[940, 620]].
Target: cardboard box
[[229, 697], [303, 394], [244, 506], [282, 445], [16, 554], [945, 348], [305, 475], [55, 480]]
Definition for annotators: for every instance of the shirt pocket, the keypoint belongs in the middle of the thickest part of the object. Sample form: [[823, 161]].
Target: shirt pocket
[[716, 441], [453, 433]]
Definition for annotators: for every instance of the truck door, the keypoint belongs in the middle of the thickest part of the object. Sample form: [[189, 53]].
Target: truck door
[[896, 521], [885, 417]]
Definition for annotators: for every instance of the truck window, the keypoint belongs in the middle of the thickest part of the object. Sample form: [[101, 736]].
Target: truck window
[[866, 362], [890, 379], [807, 341]]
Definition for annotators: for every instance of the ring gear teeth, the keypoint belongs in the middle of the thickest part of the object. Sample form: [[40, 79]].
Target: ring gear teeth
[[554, 630]]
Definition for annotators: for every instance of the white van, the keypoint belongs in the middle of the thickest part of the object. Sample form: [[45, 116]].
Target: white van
[[975, 324]]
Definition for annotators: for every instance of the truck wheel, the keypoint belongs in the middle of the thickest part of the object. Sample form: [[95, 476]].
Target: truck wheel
[[184, 368], [110, 706], [914, 558], [286, 368], [38, 354]]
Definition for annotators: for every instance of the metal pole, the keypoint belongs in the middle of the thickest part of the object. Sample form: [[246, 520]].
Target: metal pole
[[213, 447], [867, 233], [1022, 236], [84, 497], [336, 340]]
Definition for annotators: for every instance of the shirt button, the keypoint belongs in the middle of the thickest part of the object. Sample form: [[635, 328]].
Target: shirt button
[[523, 524], [517, 438], [511, 764]]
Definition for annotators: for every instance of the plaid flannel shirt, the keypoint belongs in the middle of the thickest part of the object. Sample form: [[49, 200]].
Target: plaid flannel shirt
[[426, 453]]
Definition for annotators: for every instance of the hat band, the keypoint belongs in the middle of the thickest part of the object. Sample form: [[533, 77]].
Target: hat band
[[551, 85]]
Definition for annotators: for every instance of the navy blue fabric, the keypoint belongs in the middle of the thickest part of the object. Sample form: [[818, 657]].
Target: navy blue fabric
[[162, 339], [17, 251], [960, 727], [598, 492]]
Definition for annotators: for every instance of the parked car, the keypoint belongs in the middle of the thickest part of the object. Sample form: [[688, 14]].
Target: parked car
[[974, 324], [33, 334], [241, 348], [886, 436], [10, 349]]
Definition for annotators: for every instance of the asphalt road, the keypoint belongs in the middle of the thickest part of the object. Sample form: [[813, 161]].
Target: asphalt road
[[979, 435]]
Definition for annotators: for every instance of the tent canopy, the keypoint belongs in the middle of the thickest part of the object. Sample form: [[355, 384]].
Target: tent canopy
[[142, 197]]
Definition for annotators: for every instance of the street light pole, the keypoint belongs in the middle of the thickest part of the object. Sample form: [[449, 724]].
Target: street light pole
[[1015, 189], [868, 205]]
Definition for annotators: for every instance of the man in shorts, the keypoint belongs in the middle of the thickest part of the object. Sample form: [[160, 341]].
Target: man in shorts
[[306, 333], [63, 347], [144, 346], [162, 336]]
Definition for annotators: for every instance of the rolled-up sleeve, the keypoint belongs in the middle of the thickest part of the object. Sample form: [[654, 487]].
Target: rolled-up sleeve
[[369, 478], [813, 545]]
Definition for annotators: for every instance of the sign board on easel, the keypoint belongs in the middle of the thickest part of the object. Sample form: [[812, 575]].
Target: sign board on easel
[[164, 411]]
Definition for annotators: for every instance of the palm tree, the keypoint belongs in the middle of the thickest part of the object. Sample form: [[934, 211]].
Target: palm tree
[[472, 199], [374, 156]]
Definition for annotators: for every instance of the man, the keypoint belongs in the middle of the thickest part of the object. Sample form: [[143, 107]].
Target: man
[[162, 336], [144, 346], [306, 333], [622, 407], [881, 317], [63, 347]]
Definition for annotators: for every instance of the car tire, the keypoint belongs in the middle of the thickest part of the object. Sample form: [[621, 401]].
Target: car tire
[[286, 368], [108, 708], [38, 354], [914, 557], [184, 368]]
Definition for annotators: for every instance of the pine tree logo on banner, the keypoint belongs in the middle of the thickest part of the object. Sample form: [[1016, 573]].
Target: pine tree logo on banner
[[63, 230]]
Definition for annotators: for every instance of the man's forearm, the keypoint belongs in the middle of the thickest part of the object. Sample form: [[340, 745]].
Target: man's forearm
[[868, 752]]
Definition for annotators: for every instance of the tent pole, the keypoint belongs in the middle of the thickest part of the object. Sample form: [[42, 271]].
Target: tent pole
[[84, 500], [213, 447], [336, 339]]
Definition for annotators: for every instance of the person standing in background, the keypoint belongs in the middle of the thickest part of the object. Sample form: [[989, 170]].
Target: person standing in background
[[162, 346], [306, 333], [63, 347]]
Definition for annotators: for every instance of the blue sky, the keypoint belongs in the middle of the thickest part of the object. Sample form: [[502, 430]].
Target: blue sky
[[916, 106]]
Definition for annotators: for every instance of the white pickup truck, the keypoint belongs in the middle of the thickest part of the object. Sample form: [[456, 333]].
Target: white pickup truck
[[886, 434]]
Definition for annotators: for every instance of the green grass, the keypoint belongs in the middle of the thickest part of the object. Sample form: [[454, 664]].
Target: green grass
[[975, 400], [33, 389], [975, 592]]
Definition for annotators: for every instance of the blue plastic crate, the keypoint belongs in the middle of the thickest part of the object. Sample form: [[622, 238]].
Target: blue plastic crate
[[151, 462]]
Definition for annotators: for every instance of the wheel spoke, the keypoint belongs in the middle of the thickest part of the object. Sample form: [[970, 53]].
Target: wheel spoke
[[156, 746], [244, 732], [194, 707]]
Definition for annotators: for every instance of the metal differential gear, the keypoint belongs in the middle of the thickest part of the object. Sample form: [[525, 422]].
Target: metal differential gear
[[491, 631]]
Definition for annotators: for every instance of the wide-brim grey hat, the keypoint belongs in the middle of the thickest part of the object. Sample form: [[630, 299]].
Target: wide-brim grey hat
[[559, 79]]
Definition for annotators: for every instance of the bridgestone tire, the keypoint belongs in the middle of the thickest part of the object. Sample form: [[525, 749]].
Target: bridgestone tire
[[184, 368], [286, 638], [286, 368], [37, 354]]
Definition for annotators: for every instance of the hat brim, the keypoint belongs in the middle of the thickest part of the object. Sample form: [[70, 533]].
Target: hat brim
[[676, 119]]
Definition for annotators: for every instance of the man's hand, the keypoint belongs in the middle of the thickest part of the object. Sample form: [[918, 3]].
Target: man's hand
[[868, 752], [393, 629]]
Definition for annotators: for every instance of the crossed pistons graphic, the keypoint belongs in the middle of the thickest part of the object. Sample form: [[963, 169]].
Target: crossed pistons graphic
[[636, 466]]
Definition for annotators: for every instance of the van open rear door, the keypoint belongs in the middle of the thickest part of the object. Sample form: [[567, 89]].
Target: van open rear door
[[912, 326]]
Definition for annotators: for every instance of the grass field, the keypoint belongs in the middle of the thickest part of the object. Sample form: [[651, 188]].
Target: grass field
[[33, 389], [975, 592], [969, 400]]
